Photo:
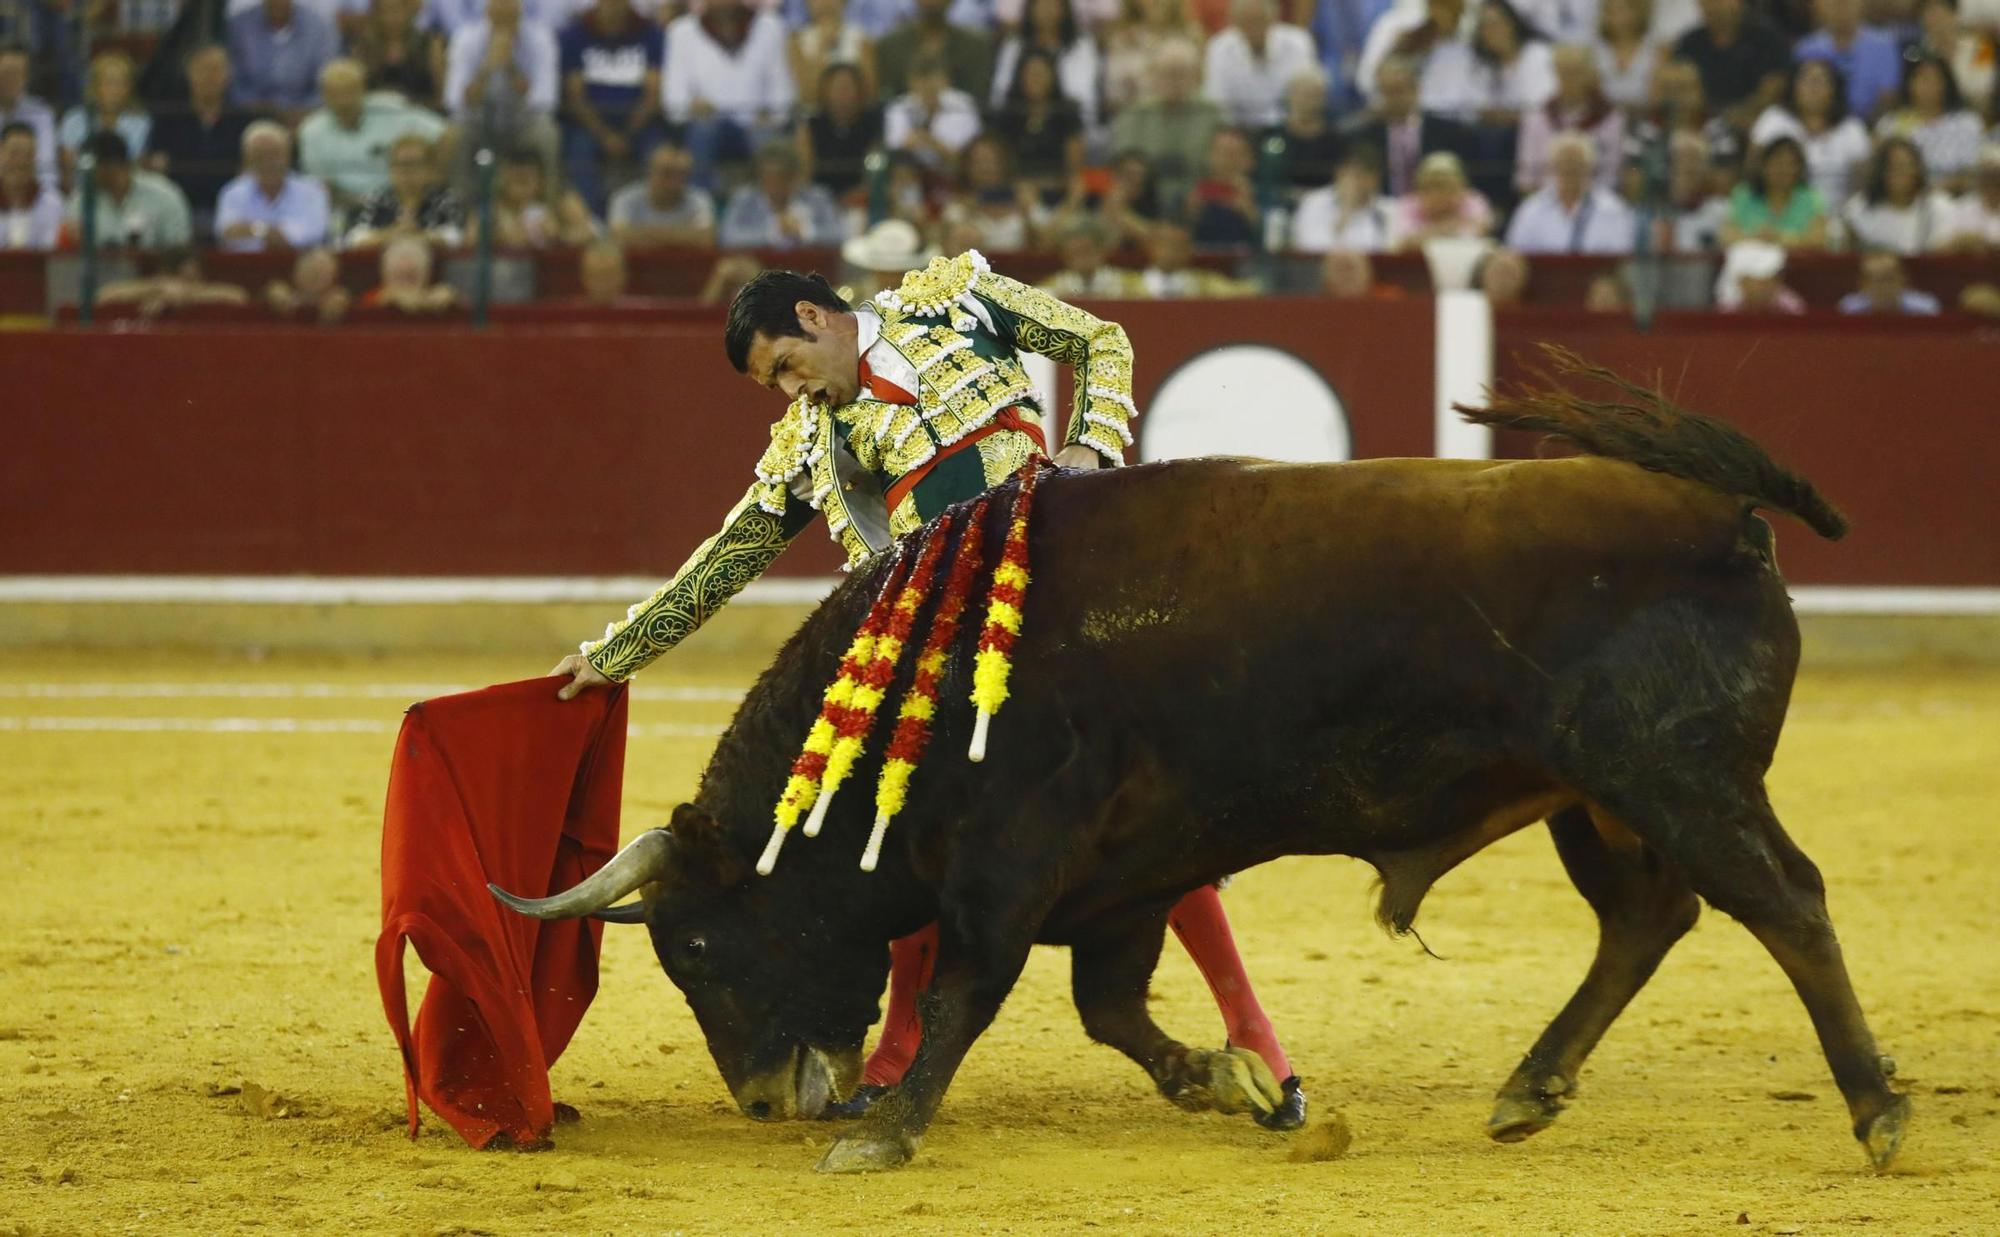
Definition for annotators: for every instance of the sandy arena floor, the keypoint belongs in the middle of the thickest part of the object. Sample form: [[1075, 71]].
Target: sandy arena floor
[[194, 901]]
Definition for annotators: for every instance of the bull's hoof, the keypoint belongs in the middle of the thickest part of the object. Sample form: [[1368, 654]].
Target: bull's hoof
[[1290, 1114], [1520, 1114], [856, 1105], [1883, 1136], [866, 1153], [1233, 1080]]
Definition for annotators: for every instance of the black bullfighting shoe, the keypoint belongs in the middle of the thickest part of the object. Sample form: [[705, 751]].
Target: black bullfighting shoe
[[1289, 1115], [856, 1105]]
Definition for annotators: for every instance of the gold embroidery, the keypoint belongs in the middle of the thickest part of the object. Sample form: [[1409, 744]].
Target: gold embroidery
[[1098, 349], [931, 291]]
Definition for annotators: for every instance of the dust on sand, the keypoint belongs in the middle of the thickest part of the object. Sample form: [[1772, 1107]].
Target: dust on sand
[[190, 1038]]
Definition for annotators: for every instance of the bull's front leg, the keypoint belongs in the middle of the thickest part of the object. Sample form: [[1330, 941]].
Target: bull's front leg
[[981, 950]]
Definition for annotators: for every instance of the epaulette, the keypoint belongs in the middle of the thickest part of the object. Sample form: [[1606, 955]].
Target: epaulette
[[931, 291]]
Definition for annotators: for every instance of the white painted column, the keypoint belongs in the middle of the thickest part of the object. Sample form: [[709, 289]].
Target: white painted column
[[1464, 369]]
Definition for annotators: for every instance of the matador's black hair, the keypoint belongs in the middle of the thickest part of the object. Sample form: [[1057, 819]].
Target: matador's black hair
[[769, 303]]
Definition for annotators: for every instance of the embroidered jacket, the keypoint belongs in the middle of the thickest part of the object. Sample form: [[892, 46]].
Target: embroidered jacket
[[942, 380]]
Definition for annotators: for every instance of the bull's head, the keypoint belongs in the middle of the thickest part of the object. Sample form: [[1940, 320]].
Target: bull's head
[[783, 995]]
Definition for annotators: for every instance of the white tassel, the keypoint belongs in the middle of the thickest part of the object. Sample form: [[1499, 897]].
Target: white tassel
[[769, 859], [818, 816], [979, 725], [873, 852]]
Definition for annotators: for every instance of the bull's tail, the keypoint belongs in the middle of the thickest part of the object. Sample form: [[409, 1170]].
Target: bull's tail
[[1650, 430]]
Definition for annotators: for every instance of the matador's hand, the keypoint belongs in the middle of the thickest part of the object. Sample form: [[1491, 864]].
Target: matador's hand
[[1076, 455], [582, 674]]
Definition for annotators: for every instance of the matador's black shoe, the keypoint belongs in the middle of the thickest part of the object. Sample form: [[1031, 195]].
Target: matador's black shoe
[[1291, 1114], [856, 1105]]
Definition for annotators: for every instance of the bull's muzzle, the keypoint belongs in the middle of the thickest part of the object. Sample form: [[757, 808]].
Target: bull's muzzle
[[802, 1087]]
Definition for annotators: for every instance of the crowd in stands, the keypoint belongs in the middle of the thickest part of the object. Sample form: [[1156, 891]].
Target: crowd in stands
[[1166, 128]]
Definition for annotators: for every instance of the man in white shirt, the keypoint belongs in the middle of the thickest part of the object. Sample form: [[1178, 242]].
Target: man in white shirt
[[346, 143], [31, 213], [933, 122], [1249, 63], [726, 84], [270, 207], [1571, 214], [1351, 213], [500, 85], [1974, 224]]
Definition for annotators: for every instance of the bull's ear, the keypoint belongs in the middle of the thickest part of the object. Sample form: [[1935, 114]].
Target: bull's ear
[[707, 856]]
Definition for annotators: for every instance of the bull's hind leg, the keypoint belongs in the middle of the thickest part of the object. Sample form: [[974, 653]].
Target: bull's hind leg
[[1740, 860], [1643, 905], [1109, 976]]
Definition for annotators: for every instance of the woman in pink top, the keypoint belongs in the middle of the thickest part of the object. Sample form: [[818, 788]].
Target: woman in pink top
[[1441, 203]]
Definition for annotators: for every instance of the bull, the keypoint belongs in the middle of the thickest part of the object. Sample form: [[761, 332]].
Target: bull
[[1229, 661]]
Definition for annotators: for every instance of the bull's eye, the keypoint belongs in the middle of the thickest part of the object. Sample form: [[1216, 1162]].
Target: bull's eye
[[693, 948]]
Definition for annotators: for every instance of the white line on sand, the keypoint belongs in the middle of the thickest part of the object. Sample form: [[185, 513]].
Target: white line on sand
[[287, 725]]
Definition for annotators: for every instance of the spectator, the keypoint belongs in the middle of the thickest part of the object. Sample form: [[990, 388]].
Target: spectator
[[992, 204], [1504, 70], [1885, 289], [967, 53], [447, 17], [1132, 42], [1695, 216], [198, 146], [1246, 66], [31, 212], [879, 257], [1752, 281], [1171, 275], [314, 291], [268, 206], [530, 211], [1042, 127], [1350, 214], [406, 281], [346, 144], [1980, 298], [1502, 274], [178, 282], [781, 210], [1774, 203], [836, 139], [1867, 57], [829, 38], [1975, 224], [1969, 52], [135, 209], [1414, 33], [1348, 275], [610, 61], [1399, 132], [1680, 107], [1171, 129], [907, 189], [1741, 57], [664, 209], [732, 271], [109, 84], [1814, 114], [415, 203], [1607, 294], [500, 87], [1578, 107], [276, 52], [1222, 206], [1084, 272], [1051, 29], [1127, 207], [1311, 147], [601, 272], [1573, 213], [1341, 29], [726, 85], [1440, 203], [1626, 52], [17, 106], [395, 52], [1934, 116], [932, 122], [1896, 209]]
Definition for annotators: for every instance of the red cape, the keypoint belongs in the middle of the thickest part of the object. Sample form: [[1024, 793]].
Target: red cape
[[513, 786]]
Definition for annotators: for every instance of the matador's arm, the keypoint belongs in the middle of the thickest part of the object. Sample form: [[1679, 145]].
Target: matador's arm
[[751, 537], [1097, 350]]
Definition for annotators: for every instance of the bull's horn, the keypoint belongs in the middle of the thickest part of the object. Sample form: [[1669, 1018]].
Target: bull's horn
[[644, 859]]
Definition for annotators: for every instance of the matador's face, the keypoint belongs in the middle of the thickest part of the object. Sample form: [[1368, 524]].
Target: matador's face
[[821, 365]]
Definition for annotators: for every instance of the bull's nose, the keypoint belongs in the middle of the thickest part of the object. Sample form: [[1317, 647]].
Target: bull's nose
[[759, 1110]]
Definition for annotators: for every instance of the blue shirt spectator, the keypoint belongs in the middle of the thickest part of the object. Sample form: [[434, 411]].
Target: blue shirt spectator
[[277, 51], [1866, 55], [877, 17], [779, 211], [1885, 290], [612, 52], [269, 206], [1340, 27]]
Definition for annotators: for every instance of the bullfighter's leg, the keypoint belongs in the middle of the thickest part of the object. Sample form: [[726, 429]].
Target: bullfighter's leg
[[1643, 905], [1203, 928], [982, 945], [1109, 976], [1741, 860]]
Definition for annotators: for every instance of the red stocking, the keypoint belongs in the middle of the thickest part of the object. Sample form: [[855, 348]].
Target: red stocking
[[1204, 931], [910, 962]]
